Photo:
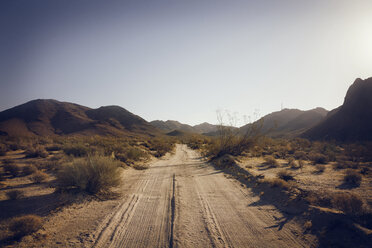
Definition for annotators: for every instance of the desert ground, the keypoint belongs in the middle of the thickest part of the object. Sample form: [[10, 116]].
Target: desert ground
[[179, 201]]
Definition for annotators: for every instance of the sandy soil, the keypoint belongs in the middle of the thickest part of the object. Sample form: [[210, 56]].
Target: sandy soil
[[180, 201], [307, 178]]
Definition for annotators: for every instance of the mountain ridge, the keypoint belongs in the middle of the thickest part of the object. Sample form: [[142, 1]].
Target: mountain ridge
[[352, 121], [43, 117]]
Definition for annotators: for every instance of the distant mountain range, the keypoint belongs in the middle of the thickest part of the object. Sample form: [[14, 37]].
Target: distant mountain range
[[169, 126], [350, 122], [51, 117], [288, 123]]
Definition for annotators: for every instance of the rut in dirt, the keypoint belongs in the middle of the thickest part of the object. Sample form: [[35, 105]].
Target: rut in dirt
[[183, 201]]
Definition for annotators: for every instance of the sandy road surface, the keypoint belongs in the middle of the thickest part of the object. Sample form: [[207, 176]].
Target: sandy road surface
[[184, 202]]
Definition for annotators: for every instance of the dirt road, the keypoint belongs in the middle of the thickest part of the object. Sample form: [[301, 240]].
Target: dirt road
[[182, 201]]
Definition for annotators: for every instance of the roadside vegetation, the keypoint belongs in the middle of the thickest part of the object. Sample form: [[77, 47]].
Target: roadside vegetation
[[324, 182], [37, 175]]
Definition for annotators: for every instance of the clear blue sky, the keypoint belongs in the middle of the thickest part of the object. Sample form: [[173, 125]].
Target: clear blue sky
[[183, 60]]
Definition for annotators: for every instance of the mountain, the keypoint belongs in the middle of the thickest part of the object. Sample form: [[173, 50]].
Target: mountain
[[169, 126], [289, 123], [205, 127], [352, 121], [50, 117]]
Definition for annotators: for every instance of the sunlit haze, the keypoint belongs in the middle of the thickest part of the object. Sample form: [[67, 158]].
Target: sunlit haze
[[183, 60]]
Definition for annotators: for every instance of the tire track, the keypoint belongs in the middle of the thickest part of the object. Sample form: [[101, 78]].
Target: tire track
[[173, 207], [113, 221], [207, 210], [212, 227]]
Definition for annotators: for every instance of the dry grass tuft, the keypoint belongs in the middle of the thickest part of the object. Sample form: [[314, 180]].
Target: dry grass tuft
[[318, 158], [34, 152], [320, 168], [29, 169], [12, 169], [352, 178], [76, 150], [39, 177], [25, 225], [285, 175], [140, 167], [308, 224], [271, 161], [14, 194], [225, 161], [94, 174], [292, 162], [349, 203], [277, 182]]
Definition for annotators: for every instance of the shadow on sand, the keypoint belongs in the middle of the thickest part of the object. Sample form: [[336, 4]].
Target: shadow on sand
[[331, 229]]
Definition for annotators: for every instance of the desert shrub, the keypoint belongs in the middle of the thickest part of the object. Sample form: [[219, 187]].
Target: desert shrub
[[308, 224], [39, 177], [14, 194], [277, 182], [320, 168], [12, 169], [76, 150], [224, 161], [320, 199], [140, 167], [52, 148], [352, 178], [34, 152], [51, 165], [256, 151], [93, 174], [300, 155], [271, 161], [285, 175], [340, 165], [135, 154], [301, 164], [349, 203], [29, 169], [364, 171], [161, 146], [25, 225], [318, 158], [233, 141], [290, 160], [292, 163], [3, 150]]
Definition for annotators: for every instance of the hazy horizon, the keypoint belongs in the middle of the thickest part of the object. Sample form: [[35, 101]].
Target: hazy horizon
[[183, 60]]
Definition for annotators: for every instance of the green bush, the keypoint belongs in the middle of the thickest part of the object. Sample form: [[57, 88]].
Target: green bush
[[25, 225], [93, 174]]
